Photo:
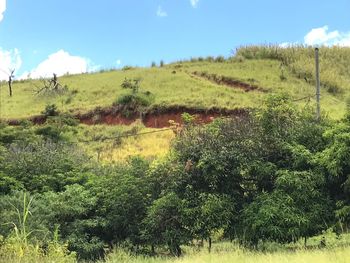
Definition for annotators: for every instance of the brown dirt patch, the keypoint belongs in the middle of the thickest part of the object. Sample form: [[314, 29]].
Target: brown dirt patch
[[228, 81], [160, 119], [109, 116], [154, 118]]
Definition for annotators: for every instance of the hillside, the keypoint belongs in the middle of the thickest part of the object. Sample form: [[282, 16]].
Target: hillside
[[204, 87], [240, 82], [112, 166]]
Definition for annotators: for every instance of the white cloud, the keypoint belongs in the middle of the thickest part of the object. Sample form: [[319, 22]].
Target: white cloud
[[61, 63], [322, 37], [161, 12], [194, 3], [2, 8], [118, 62], [9, 60]]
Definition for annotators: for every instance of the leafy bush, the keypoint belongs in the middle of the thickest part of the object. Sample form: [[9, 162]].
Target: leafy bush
[[64, 119], [133, 84], [125, 68], [165, 223], [135, 101], [220, 59], [50, 132], [43, 166], [187, 118], [50, 110]]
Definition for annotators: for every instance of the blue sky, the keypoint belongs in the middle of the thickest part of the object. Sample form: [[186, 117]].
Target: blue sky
[[41, 36]]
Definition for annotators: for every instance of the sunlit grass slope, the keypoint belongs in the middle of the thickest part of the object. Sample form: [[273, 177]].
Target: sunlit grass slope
[[340, 255], [174, 84], [118, 143]]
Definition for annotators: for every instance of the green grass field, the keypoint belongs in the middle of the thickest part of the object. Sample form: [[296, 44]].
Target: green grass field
[[223, 252], [337, 251], [174, 84], [274, 69], [341, 255]]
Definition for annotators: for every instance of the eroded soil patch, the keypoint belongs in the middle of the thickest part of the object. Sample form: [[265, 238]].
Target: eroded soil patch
[[154, 118], [228, 81]]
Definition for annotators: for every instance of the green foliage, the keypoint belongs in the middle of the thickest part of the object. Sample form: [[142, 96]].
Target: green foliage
[[125, 68], [220, 59], [279, 116], [50, 110], [64, 119], [18, 219], [71, 212], [275, 175], [51, 132], [9, 135], [296, 208], [43, 166], [214, 213], [187, 118], [133, 84], [8, 184], [122, 201], [165, 223], [135, 101], [27, 237]]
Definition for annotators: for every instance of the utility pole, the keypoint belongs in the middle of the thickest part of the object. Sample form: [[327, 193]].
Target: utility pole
[[318, 107]]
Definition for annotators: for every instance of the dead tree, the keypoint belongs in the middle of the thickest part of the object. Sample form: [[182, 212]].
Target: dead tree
[[11, 76], [54, 82], [51, 86]]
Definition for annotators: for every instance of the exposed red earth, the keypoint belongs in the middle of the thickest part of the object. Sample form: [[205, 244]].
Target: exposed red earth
[[156, 118], [228, 81]]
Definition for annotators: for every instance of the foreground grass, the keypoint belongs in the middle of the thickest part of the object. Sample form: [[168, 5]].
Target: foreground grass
[[21, 252], [337, 251], [339, 255]]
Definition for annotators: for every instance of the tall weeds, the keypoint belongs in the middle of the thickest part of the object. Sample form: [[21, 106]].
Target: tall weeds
[[299, 59]]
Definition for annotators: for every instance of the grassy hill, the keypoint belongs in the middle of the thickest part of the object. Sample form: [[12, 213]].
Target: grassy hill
[[269, 182], [197, 83], [240, 82]]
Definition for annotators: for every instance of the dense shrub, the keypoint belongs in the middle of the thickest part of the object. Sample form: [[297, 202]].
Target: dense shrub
[[50, 110], [276, 174]]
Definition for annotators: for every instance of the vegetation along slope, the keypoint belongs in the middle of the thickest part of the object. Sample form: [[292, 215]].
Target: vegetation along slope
[[269, 184], [206, 87]]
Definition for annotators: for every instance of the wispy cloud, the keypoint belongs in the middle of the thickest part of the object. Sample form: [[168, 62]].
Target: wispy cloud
[[161, 12], [9, 60], [194, 3], [61, 63], [323, 37], [2, 8]]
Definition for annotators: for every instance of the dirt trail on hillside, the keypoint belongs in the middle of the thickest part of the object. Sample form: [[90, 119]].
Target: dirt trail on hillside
[[228, 81], [155, 118]]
